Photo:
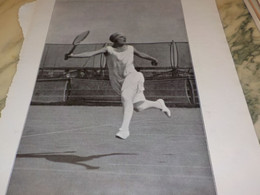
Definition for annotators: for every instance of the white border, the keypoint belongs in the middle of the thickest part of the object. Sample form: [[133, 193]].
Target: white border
[[232, 141], [20, 93]]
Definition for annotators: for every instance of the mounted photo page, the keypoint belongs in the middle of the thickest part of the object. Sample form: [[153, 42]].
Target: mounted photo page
[[133, 97]]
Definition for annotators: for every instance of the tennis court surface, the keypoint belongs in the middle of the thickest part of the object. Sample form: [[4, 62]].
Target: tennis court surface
[[72, 150]]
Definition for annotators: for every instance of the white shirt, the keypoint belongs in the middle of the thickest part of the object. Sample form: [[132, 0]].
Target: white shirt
[[120, 64]]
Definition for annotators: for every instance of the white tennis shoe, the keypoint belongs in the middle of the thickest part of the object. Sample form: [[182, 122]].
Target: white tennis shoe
[[164, 108], [122, 133]]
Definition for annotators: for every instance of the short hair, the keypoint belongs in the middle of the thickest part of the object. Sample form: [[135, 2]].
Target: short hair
[[114, 36]]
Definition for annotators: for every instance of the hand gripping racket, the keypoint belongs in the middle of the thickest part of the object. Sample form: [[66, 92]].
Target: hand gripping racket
[[78, 39]]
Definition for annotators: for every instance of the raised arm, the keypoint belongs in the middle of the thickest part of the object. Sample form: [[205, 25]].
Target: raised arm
[[153, 60], [88, 53]]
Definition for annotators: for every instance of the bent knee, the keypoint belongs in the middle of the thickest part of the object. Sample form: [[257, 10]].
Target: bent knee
[[126, 97], [138, 107]]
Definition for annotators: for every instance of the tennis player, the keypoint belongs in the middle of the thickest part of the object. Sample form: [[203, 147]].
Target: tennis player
[[125, 80]]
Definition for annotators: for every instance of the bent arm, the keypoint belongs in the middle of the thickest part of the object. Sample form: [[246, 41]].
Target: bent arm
[[145, 56], [89, 53]]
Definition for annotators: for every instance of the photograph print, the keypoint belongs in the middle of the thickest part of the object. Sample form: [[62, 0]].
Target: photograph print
[[115, 108]]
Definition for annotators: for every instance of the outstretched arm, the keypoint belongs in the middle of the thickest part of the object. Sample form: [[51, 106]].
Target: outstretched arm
[[88, 53], [146, 56]]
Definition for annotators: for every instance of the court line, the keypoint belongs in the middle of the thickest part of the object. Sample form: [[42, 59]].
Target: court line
[[145, 134], [113, 173], [132, 135], [71, 130], [85, 128], [64, 131], [171, 166]]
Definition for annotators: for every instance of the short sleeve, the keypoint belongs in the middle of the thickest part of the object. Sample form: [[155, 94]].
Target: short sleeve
[[109, 50], [131, 48]]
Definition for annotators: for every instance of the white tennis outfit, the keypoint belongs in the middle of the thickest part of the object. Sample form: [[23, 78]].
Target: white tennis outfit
[[122, 73]]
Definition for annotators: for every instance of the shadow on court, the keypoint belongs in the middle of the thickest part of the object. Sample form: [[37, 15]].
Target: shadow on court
[[71, 159], [72, 150]]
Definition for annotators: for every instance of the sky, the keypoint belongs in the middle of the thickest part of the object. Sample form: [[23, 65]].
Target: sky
[[142, 21]]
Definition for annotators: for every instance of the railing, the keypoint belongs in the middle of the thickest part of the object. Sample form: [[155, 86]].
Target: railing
[[65, 85]]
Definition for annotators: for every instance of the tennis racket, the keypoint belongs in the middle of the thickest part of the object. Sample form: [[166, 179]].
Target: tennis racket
[[78, 39]]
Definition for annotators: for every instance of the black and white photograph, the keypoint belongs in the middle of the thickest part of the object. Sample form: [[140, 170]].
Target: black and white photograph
[[115, 107]]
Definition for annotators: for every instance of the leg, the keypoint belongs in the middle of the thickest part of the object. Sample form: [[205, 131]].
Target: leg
[[159, 104], [127, 101], [140, 106]]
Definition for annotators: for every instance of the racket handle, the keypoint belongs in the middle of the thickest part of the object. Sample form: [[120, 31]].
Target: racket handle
[[154, 63], [67, 55]]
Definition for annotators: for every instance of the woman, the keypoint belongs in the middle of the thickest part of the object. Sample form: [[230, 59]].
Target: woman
[[125, 80]]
